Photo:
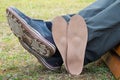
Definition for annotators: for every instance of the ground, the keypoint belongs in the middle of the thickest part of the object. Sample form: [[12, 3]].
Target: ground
[[17, 64]]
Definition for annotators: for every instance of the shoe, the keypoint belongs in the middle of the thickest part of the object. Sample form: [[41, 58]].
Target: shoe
[[33, 35]]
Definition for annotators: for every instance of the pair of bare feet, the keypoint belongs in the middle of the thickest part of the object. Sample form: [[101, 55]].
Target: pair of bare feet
[[71, 40]]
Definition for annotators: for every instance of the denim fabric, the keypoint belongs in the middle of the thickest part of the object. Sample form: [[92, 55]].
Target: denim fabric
[[103, 22]]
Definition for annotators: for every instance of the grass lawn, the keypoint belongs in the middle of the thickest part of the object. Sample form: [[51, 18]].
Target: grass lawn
[[17, 64]]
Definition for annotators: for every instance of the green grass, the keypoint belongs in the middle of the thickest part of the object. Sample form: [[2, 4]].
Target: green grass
[[17, 64]]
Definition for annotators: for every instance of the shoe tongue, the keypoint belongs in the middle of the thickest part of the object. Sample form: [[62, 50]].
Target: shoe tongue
[[49, 25], [67, 18], [54, 61]]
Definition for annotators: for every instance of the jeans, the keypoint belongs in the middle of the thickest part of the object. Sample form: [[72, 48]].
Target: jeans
[[103, 23]]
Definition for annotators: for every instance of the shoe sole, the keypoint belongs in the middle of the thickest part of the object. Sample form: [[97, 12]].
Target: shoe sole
[[59, 32], [30, 38], [77, 40]]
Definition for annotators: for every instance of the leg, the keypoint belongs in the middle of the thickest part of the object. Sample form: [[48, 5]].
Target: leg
[[104, 30], [90, 12]]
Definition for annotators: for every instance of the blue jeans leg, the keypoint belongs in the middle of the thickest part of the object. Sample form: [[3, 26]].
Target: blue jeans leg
[[103, 31]]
